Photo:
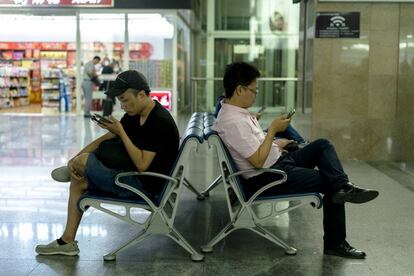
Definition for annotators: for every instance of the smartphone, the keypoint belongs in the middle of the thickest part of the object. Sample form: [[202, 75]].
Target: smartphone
[[290, 114], [261, 109], [99, 119]]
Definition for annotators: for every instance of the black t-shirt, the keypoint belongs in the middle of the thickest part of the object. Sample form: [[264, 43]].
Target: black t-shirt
[[158, 134]]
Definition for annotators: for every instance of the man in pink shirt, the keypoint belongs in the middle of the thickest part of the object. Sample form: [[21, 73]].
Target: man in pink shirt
[[250, 148]]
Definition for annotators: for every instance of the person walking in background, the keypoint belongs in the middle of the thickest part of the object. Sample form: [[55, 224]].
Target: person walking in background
[[89, 78]]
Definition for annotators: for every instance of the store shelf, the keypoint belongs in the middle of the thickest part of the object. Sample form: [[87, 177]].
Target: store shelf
[[14, 83], [42, 60], [56, 86]]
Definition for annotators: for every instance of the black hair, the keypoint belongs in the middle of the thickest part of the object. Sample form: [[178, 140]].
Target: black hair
[[238, 73], [97, 57], [136, 91]]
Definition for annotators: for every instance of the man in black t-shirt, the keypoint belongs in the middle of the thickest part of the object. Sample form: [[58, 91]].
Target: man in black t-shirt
[[143, 132]]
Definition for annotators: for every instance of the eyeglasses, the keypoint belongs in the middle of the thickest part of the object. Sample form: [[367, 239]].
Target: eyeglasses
[[255, 92]]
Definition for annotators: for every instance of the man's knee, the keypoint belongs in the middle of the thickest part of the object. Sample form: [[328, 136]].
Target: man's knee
[[323, 143], [79, 163]]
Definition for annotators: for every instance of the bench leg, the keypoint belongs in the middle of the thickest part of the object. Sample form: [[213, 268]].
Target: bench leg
[[271, 237], [178, 238], [217, 181], [223, 233], [142, 235], [191, 188]]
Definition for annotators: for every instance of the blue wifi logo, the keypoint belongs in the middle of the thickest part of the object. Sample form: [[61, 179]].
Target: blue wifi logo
[[337, 21]]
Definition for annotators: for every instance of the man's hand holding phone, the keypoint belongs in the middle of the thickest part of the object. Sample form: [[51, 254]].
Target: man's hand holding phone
[[259, 113], [290, 114], [261, 110], [112, 124], [100, 119], [278, 125]]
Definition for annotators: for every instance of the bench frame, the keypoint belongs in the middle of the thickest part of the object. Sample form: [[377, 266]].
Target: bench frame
[[243, 212], [160, 220]]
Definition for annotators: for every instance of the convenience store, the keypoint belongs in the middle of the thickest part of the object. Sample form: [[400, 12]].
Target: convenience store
[[42, 41]]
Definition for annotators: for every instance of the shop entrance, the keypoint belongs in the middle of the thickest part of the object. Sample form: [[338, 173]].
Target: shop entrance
[[36, 62], [39, 71]]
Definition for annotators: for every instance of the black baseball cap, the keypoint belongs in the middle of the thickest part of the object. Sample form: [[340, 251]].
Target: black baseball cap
[[128, 79]]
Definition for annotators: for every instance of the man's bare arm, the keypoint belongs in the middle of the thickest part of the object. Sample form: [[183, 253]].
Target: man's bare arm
[[259, 157]]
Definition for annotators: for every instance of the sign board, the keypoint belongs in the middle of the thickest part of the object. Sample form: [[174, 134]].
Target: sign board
[[337, 25], [34, 45], [163, 97], [57, 3], [367, 1]]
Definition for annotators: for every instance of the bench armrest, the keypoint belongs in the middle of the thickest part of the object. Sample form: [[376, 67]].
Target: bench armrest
[[266, 187], [138, 192]]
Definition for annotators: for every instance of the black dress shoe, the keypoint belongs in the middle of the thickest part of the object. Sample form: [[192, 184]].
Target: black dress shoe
[[345, 250], [354, 194]]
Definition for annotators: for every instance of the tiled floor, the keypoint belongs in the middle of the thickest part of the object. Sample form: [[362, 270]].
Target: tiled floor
[[33, 210]]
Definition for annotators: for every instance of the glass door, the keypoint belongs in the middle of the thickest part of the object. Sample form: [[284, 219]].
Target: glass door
[[262, 32], [183, 65]]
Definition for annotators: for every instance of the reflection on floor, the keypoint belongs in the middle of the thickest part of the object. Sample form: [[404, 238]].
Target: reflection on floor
[[33, 210], [31, 108]]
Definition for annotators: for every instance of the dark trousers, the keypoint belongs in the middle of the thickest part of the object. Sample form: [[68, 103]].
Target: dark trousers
[[302, 177]]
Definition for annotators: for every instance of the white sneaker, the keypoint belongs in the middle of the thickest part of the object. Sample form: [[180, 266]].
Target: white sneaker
[[53, 248], [61, 174]]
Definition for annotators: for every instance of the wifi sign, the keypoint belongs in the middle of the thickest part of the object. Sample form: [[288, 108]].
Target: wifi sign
[[337, 25], [338, 21]]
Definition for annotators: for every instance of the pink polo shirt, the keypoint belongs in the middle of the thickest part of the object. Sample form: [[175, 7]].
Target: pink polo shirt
[[242, 135]]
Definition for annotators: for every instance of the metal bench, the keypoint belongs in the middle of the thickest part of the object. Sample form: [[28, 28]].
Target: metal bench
[[161, 211], [242, 210]]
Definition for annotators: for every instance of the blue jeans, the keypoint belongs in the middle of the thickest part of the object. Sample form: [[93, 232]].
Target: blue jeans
[[101, 180]]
